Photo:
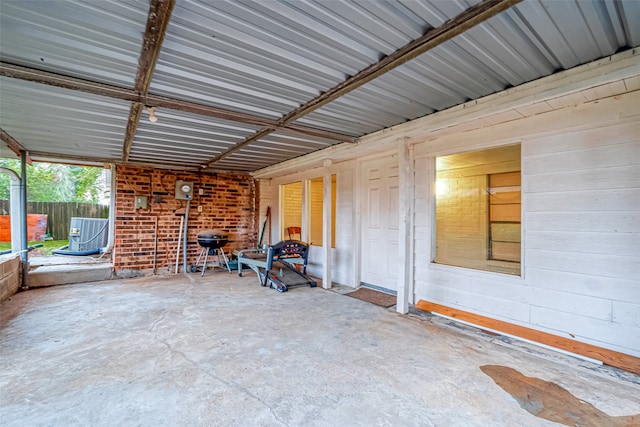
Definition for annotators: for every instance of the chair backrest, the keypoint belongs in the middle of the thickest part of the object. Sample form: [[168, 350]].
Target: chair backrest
[[293, 231]]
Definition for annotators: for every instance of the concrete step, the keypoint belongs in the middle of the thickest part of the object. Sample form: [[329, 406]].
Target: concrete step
[[63, 274]]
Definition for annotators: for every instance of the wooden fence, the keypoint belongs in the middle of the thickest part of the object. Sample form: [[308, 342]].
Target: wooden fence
[[59, 214]]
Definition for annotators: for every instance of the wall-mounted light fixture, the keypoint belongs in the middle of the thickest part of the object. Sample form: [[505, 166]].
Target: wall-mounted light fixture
[[152, 114]]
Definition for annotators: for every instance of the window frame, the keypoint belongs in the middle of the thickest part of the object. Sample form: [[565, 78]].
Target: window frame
[[513, 269]]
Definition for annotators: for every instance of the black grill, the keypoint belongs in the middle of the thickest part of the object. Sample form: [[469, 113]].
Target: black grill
[[212, 239]]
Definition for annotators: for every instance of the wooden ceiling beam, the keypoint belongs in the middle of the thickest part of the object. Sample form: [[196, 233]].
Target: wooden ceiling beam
[[125, 94], [220, 113], [73, 83], [455, 26], [469, 18], [256, 136], [14, 145], [157, 21]]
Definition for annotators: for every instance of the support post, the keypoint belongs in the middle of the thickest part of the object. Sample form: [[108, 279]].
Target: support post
[[15, 196], [327, 226], [405, 194], [24, 256]]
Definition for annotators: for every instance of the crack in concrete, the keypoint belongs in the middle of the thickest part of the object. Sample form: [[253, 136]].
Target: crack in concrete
[[171, 350]]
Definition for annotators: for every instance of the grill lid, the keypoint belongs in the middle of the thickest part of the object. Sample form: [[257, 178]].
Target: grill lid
[[212, 234], [212, 239]]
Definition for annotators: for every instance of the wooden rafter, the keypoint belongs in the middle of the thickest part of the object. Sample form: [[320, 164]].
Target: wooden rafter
[[73, 83], [469, 18], [14, 145], [157, 21], [256, 136], [52, 79], [466, 20]]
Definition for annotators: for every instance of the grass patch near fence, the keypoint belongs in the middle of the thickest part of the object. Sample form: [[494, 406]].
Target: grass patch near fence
[[47, 248]]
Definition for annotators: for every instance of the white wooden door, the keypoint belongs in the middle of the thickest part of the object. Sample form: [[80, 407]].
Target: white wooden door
[[379, 215]]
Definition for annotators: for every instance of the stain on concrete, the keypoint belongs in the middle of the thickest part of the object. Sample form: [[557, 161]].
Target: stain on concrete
[[548, 400]]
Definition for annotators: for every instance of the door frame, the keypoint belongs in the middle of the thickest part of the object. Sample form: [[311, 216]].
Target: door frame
[[406, 190]]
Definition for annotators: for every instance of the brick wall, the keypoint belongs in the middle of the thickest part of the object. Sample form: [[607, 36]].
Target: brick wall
[[227, 202]]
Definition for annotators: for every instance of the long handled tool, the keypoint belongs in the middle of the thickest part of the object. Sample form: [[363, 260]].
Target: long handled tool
[[179, 239], [264, 226]]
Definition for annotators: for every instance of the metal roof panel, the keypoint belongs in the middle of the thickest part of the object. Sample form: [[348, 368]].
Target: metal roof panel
[[98, 41], [54, 120]]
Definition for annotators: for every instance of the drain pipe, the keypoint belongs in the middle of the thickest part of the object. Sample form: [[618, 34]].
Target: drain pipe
[[184, 238], [14, 213], [112, 211]]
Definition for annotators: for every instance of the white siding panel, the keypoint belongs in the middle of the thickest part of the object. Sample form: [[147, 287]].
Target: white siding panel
[[571, 99], [581, 226], [591, 179], [581, 201], [614, 134], [601, 156], [342, 255], [632, 83], [627, 313], [620, 267], [617, 222], [625, 244], [488, 306], [533, 109], [567, 302], [605, 91], [422, 245], [585, 328], [584, 284]]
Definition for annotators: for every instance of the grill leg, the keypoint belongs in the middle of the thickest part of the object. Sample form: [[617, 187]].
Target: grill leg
[[198, 261], [206, 256], [226, 261]]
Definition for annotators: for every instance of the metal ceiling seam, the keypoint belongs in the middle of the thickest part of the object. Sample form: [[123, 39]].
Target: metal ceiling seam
[[467, 19], [249, 57], [242, 35], [176, 137], [284, 29], [10, 70], [249, 75], [616, 22], [346, 28], [596, 15], [432, 38], [306, 21], [629, 16]]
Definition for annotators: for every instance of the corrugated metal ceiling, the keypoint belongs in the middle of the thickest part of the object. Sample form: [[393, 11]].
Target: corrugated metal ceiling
[[264, 60]]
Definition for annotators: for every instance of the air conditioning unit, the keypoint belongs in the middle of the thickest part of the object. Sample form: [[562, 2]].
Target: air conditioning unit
[[86, 234]]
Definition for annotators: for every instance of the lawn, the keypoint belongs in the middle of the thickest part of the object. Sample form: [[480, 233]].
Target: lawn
[[48, 246]]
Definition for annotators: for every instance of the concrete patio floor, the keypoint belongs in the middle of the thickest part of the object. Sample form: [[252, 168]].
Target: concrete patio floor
[[220, 350]]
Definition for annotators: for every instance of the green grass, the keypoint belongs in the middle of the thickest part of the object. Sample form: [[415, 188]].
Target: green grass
[[48, 246]]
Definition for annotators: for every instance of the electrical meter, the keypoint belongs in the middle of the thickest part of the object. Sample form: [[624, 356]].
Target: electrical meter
[[184, 190]]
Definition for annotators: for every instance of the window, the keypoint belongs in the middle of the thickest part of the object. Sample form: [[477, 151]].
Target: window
[[504, 216], [294, 202], [478, 210], [291, 198], [316, 196]]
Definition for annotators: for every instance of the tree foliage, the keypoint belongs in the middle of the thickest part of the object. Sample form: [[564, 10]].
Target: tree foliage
[[47, 182]]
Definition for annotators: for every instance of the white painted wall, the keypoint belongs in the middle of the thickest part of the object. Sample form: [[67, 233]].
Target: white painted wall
[[342, 256], [580, 136], [581, 226]]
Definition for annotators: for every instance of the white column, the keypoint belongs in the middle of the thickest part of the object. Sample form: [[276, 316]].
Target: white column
[[356, 223], [327, 203], [15, 209], [405, 194]]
